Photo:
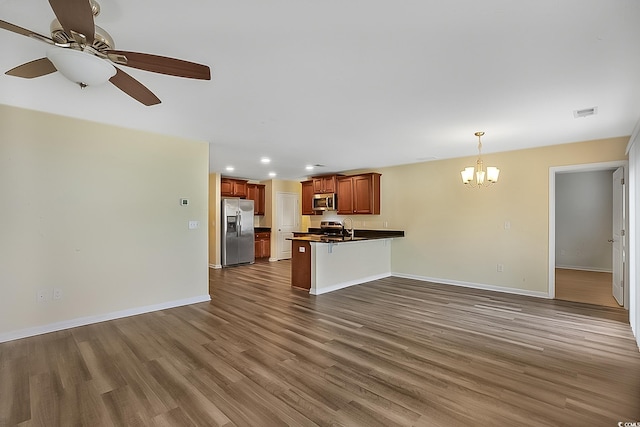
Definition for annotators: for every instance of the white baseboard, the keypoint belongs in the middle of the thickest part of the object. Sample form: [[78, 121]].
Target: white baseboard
[[216, 266], [475, 285], [348, 283], [594, 269], [82, 321], [273, 259]]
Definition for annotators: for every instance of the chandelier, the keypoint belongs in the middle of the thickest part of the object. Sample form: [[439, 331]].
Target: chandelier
[[482, 177]]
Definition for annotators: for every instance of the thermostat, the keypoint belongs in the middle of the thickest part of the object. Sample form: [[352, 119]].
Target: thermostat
[[184, 202]]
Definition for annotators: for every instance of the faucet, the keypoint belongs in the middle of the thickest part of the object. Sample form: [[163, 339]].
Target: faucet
[[344, 221]]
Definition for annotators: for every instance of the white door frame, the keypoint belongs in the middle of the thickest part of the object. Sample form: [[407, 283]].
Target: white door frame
[[552, 217]]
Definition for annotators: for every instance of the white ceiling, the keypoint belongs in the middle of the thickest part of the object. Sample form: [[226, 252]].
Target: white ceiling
[[355, 84]]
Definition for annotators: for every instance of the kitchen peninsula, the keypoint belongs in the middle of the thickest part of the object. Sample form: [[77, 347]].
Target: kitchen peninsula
[[323, 264]]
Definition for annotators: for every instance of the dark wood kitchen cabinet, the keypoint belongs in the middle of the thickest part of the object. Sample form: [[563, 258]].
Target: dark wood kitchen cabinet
[[256, 192], [345, 195], [359, 194], [262, 244], [230, 187], [324, 184], [307, 198], [366, 194]]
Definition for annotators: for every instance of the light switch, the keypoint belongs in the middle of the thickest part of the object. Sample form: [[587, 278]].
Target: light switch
[[193, 225], [301, 249]]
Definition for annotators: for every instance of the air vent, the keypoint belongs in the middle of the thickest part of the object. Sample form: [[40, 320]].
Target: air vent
[[585, 112]]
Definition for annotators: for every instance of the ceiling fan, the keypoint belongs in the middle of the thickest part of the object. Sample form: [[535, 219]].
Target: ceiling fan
[[84, 53]]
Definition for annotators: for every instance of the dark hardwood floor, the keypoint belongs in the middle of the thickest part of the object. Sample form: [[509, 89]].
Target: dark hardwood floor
[[390, 352]]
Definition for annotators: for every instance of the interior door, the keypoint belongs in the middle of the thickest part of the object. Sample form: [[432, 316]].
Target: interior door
[[288, 220], [618, 236]]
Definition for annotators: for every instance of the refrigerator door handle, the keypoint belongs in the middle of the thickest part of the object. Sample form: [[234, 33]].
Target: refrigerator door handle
[[239, 227]]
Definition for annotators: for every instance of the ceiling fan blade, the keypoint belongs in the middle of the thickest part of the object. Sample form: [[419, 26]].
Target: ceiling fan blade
[[37, 68], [75, 16], [134, 88], [23, 31], [160, 64]]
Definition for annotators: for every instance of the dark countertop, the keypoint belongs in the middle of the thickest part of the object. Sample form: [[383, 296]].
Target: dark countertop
[[314, 235], [370, 234]]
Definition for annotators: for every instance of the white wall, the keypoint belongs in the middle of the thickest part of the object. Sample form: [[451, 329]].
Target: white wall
[[93, 210], [584, 216]]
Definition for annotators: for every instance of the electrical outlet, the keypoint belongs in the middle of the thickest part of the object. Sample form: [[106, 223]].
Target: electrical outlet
[[193, 225], [500, 268], [57, 294]]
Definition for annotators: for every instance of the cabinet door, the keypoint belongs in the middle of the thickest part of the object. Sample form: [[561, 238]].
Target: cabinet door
[[226, 187], [317, 185], [329, 184], [307, 198], [258, 249], [260, 202], [345, 196], [366, 194], [240, 189], [265, 247], [252, 194]]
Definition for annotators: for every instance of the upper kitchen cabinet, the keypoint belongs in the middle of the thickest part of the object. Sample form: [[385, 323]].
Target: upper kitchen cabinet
[[307, 198], [324, 184], [345, 195], [359, 194], [256, 192], [230, 187], [366, 194]]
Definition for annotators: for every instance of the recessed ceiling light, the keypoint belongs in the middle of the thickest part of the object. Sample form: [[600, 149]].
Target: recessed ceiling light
[[272, 174], [265, 160], [309, 167], [230, 168]]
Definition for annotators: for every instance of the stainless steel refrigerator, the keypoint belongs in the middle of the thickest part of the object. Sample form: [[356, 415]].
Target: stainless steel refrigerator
[[238, 244]]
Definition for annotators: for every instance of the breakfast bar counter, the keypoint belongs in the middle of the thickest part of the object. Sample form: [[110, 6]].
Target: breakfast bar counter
[[323, 264]]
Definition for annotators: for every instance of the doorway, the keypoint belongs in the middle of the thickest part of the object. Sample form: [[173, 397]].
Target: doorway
[[581, 224]]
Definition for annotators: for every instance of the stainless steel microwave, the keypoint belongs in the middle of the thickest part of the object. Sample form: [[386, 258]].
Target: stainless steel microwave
[[324, 202]]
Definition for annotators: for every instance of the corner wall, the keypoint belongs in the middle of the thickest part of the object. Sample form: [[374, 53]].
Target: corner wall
[[94, 211]]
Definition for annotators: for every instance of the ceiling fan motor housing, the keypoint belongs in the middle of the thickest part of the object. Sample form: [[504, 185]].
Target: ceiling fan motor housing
[[102, 41]]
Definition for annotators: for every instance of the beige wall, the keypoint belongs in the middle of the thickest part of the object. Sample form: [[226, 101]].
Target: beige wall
[[458, 234], [94, 210]]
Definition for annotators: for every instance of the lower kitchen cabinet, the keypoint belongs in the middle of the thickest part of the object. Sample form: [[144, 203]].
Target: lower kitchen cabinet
[[263, 244]]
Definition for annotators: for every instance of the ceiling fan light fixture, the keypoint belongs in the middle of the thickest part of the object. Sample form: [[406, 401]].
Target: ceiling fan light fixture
[[80, 67]]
